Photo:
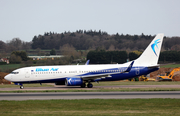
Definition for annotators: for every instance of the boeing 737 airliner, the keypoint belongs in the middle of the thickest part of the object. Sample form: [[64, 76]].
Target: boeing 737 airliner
[[84, 75]]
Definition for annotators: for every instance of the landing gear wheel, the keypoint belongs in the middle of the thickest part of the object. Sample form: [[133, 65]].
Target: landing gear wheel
[[21, 87], [89, 85], [83, 85]]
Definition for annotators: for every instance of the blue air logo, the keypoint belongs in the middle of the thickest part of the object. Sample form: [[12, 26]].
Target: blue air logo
[[69, 81], [46, 69], [41, 69], [54, 69], [155, 44]]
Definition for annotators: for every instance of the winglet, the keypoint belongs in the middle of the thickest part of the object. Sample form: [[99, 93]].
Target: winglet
[[129, 67], [87, 62]]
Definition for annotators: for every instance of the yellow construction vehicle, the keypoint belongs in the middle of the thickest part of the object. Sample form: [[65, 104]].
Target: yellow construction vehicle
[[144, 78], [168, 75]]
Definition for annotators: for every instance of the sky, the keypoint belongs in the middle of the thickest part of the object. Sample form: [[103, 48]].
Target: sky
[[24, 19]]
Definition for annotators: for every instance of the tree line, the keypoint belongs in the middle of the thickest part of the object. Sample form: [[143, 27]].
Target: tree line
[[91, 40], [16, 44], [101, 56], [18, 56], [109, 57], [169, 56], [76, 45]]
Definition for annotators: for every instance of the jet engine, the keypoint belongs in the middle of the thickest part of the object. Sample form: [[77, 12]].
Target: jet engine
[[73, 81]]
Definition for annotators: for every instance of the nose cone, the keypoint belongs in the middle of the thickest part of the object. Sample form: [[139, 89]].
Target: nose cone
[[7, 77]]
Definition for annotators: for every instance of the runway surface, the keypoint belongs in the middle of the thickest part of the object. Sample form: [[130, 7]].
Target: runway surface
[[89, 95], [63, 87]]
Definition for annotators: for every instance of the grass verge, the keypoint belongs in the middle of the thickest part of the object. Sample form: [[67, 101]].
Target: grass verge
[[96, 90], [98, 107], [9, 66], [25, 85], [170, 66]]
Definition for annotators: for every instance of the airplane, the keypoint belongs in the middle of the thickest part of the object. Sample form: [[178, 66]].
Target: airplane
[[84, 75]]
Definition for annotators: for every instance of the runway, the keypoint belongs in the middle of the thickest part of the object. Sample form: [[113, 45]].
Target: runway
[[63, 87], [89, 95]]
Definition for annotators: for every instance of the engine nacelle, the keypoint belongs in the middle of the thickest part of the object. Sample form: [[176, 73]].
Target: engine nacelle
[[74, 81]]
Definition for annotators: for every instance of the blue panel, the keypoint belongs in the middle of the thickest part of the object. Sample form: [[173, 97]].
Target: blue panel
[[74, 81], [18, 84]]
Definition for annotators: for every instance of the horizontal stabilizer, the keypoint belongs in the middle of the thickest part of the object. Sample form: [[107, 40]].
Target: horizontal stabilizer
[[155, 66]]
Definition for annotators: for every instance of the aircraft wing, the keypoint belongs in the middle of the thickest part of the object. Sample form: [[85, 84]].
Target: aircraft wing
[[106, 74]]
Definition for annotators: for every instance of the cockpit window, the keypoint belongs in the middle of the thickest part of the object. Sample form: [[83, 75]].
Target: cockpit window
[[14, 72]]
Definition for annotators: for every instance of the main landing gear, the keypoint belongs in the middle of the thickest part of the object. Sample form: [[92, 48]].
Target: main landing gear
[[89, 85]]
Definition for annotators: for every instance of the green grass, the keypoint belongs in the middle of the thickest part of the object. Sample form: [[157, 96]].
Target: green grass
[[171, 66], [9, 66], [97, 107]]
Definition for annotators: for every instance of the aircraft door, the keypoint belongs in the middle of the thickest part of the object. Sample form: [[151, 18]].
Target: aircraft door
[[137, 71], [27, 73]]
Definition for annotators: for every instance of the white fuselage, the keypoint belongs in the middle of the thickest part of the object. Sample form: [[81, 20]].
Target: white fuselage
[[56, 72]]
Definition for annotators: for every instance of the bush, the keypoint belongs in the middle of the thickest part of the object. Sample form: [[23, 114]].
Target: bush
[[103, 57]]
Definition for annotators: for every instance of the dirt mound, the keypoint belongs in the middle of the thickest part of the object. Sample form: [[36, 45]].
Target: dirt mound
[[2, 80], [176, 76], [155, 74]]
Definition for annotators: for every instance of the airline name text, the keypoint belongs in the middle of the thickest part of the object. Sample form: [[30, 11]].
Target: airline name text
[[46, 69]]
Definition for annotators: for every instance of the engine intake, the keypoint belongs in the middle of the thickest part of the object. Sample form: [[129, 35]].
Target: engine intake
[[74, 81]]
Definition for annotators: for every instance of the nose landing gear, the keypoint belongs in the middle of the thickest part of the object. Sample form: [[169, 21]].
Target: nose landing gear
[[21, 87]]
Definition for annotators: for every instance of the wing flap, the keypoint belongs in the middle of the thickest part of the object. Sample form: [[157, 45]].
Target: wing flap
[[106, 74]]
